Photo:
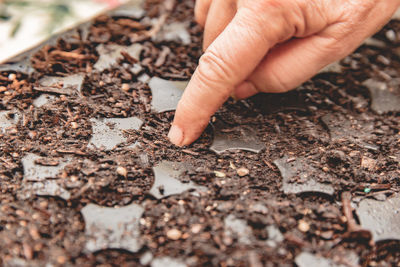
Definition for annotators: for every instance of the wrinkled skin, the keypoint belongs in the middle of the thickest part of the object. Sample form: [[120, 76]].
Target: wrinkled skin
[[256, 46]]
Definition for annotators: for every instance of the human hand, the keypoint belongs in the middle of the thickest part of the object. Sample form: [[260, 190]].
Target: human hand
[[256, 46]]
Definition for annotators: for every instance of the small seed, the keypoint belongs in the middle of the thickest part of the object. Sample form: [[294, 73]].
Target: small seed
[[220, 174], [231, 165], [303, 226], [368, 163], [327, 235], [196, 228], [174, 234], [12, 77], [34, 233], [44, 204], [28, 252], [64, 174], [20, 213], [242, 172], [74, 125], [125, 87], [38, 247], [122, 171], [32, 134], [61, 259]]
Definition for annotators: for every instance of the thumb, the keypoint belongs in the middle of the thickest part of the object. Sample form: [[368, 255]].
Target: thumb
[[229, 60]]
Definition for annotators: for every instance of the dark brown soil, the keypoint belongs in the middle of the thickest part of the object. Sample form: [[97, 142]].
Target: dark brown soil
[[325, 129]]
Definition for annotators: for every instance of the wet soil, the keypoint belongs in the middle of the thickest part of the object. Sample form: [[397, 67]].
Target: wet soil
[[88, 177]]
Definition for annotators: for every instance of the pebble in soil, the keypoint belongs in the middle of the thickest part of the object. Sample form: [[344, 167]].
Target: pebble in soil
[[239, 138], [109, 133], [46, 188], [166, 94], [8, 119], [39, 169], [300, 177], [68, 85], [111, 54], [166, 181], [112, 228], [385, 95], [382, 218], [174, 32]]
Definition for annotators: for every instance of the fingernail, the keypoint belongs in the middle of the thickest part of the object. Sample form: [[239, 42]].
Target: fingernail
[[175, 135]]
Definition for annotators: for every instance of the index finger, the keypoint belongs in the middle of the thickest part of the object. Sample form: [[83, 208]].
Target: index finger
[[227, 62]]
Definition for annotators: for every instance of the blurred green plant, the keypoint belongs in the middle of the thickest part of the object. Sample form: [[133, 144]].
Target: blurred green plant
[[58, 11]]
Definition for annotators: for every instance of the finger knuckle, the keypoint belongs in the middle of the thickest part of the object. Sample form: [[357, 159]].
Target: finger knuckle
[[356, 12], [213, 70], [282, 21]]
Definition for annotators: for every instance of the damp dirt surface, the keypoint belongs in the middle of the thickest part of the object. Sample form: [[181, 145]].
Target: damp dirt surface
[[88, 177]]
